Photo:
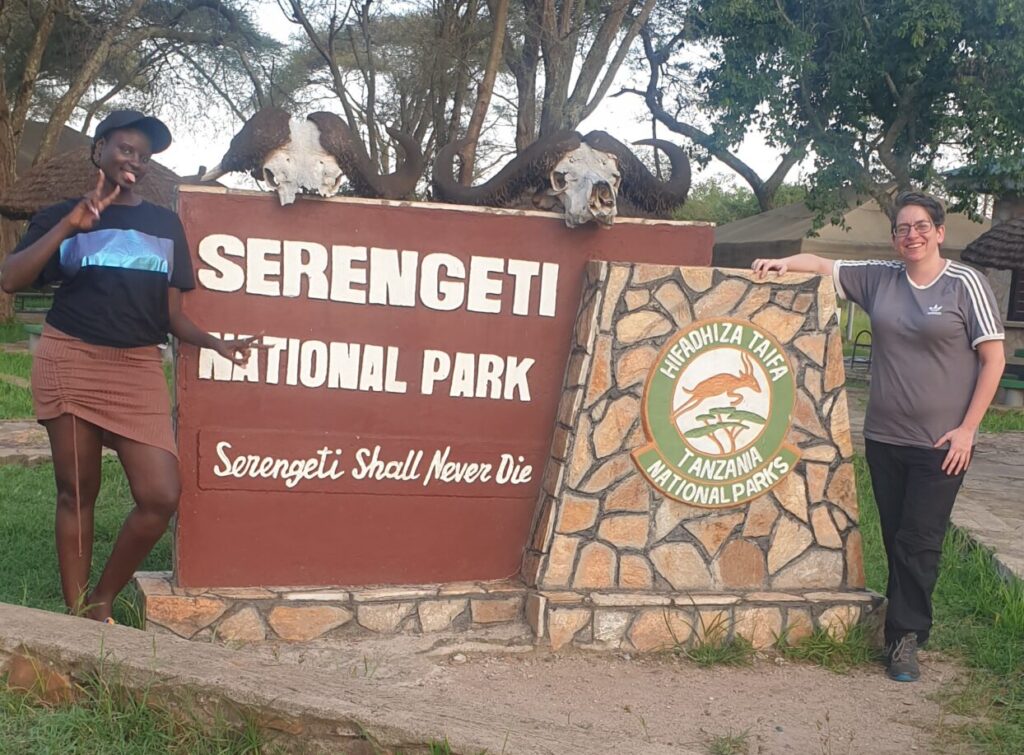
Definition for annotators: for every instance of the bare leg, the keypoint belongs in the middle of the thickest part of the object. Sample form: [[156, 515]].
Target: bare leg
[[155, 485], [70, 437]]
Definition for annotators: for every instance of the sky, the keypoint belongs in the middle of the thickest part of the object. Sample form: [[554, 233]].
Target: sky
[[625, 118]]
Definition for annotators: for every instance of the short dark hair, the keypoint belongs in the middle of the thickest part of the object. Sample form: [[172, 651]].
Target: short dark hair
[[935, 208]]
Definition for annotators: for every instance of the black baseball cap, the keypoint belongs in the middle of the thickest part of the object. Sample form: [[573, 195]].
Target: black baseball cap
[[158, 133]]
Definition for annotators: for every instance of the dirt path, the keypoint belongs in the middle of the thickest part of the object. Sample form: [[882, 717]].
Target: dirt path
[[661, 703]]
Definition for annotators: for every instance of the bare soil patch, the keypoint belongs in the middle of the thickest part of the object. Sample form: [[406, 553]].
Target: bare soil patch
[[660, 702]]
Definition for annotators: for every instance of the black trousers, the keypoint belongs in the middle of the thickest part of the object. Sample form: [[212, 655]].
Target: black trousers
[[915, 500]]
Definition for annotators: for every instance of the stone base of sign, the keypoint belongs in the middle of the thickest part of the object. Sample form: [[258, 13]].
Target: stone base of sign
[[598, 620], [298, 614]]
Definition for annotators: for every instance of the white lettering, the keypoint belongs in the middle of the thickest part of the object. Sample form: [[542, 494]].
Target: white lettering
[[304, 259], [262, 271], [226, 274]]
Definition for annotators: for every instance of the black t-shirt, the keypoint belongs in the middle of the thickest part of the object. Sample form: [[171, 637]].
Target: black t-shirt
[[114, 278]]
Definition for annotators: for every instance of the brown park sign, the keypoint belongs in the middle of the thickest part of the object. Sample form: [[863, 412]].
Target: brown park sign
[[396, 426]]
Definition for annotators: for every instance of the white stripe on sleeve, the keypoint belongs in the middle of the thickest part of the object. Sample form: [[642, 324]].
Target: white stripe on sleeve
[[979, 301], [857, 263]]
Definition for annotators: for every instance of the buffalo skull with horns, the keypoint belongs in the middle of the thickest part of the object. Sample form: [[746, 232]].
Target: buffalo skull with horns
[[593, 177], [313, 155]]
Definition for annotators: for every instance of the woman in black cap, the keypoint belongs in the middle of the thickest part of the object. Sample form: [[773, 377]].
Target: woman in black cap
[[123, 264]]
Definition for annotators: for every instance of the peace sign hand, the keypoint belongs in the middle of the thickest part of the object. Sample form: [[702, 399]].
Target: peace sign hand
[[85, 214]]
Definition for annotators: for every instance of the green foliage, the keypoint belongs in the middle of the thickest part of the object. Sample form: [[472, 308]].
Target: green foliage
[[720, 201], [730, 744], [840, 651], [17, 364], [861, 321], [12, 331], [875, 88], [181, 58], [108, 720], [876, 570], [715, 651], [15, 402], [1003, 421]]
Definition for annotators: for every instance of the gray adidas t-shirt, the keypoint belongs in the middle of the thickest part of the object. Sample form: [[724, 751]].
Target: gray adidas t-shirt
[[924, 366]]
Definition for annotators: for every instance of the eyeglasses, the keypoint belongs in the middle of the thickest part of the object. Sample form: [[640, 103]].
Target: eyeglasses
[[903, 230]]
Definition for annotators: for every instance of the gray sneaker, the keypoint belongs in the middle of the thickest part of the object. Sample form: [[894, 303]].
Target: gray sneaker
[[903, 665]]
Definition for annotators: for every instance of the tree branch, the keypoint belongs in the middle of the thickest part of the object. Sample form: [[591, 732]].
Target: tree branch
[[587, 108], [66, 104]]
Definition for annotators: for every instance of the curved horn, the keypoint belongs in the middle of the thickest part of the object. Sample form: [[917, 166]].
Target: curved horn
[[213, 173], [264, 132], [339, 140], [403, 181], [526, 171], [639, 185]]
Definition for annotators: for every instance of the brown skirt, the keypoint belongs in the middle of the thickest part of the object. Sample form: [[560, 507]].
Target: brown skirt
[[121, 391]]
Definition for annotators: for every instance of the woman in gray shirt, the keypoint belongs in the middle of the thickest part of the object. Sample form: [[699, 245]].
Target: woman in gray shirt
[[937, 359]]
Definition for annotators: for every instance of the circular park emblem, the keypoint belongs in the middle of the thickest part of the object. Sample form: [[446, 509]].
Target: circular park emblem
[[716, 411]]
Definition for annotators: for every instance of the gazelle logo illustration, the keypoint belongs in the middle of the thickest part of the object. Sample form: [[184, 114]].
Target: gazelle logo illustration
[[735, 400], [724, 383], [716, 411]]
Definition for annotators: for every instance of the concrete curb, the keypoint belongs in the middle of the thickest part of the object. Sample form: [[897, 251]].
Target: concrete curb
[[305, 708]]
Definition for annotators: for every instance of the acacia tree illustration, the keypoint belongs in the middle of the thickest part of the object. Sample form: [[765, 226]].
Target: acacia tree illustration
[[730, 422]]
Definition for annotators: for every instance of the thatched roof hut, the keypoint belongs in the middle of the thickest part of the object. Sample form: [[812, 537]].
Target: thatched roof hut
[[68, 140], [72, 174], [1001, 248]]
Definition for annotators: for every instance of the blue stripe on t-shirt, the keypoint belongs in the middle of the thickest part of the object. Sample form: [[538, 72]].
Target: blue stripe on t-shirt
[[116, 247]]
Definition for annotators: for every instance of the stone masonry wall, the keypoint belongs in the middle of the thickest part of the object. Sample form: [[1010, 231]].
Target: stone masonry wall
[[605, 537], [295, 614]]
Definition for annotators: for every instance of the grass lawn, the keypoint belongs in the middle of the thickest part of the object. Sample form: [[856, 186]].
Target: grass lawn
[[1003, 421], [861, 321], [16, 364], [12, 331], [15, 400], [28, 559], [106, 721]]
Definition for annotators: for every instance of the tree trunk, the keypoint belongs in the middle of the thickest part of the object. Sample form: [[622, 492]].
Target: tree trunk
[[9, 232], [558, 40], [483, 96], [523, 64], [8, 166]]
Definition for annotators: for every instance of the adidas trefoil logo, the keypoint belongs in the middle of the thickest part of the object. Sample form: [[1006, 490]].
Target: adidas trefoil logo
[[935, 309]]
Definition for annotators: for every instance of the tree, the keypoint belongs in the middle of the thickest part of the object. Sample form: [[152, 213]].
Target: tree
[[719, 201], [552, 35], [676, 101], [409, 65], [66, 58], [880, 92]]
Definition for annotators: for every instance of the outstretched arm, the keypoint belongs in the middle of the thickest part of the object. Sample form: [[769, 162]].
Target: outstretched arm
[[182, 328], [797, 263]]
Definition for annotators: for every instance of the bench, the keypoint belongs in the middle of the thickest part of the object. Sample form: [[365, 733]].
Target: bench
[[34, 333], [1011, 391]]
